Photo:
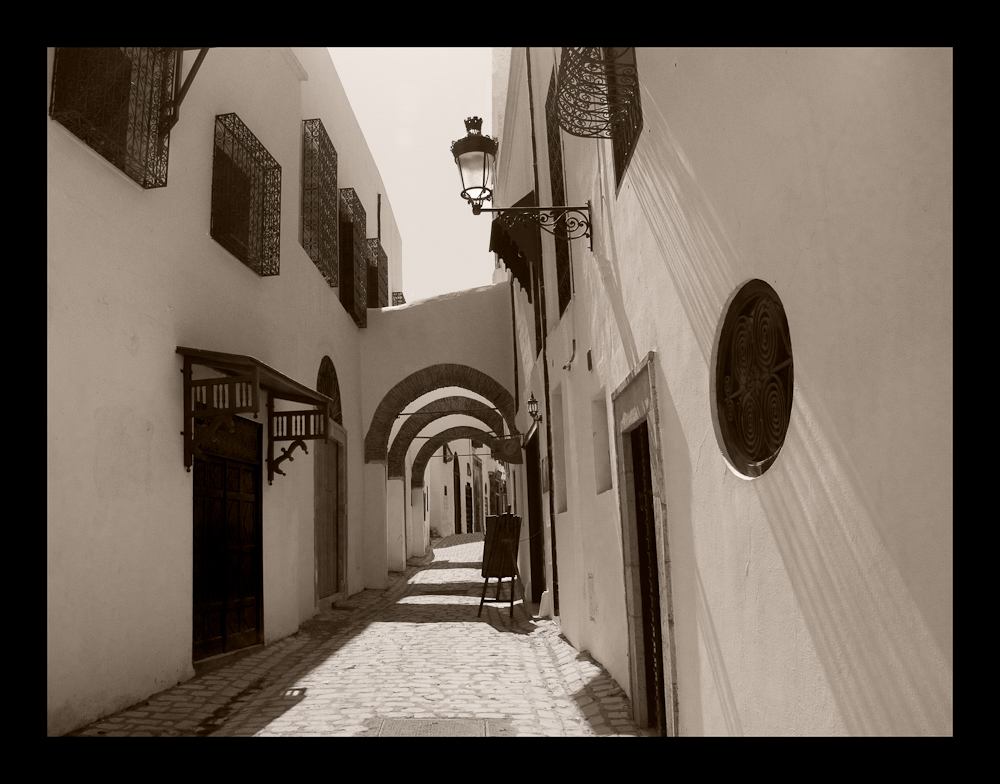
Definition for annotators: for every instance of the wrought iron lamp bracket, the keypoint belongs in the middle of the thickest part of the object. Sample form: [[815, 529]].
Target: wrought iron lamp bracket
[[171, 110], [571, 223]]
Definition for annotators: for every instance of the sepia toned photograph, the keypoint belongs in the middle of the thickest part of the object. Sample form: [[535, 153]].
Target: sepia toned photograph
[[500, 392]]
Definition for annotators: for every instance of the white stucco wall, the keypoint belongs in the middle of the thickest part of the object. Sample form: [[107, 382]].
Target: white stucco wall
[[133, 274], [816, 599], [456, 328]]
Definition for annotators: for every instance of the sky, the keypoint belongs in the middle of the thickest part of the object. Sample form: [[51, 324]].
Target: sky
[[411, 104]]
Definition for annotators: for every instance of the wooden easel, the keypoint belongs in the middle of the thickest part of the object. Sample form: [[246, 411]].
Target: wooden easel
[[500, 555]]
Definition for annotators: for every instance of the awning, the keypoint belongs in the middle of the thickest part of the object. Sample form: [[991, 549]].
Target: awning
[[519, 246], [211, 403]]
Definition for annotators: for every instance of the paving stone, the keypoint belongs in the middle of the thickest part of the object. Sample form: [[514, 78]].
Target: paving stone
[[408, 652]]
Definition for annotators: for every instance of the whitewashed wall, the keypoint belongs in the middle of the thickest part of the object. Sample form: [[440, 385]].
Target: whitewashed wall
[[816, 599], [132, 274]]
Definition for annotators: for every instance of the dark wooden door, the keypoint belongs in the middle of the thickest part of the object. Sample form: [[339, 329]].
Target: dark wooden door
[[327, 518], [649, 579], [227, 546], [535, 543], [468, 508]]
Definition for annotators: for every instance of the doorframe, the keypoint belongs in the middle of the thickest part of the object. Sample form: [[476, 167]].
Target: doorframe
[[635, 402], [536, 523], [336, 434]]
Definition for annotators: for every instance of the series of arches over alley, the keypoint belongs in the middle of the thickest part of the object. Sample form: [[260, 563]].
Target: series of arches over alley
[[434, 371]]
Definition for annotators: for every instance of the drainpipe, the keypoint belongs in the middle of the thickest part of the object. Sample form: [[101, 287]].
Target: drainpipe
[[545, 360], [513, 329]]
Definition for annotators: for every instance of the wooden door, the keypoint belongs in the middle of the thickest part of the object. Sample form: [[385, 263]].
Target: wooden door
[[649, 580], [327, 518], [227, 545]]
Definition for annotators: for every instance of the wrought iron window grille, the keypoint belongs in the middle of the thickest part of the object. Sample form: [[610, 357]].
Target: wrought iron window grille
[[326, 384], [354, 255], [378, 275], [319, 200], [398, 298], [754, 379], [598, 98], [246, 196], [116, 100]]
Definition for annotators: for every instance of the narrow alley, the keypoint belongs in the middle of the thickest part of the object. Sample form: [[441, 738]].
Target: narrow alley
[[412, 660]]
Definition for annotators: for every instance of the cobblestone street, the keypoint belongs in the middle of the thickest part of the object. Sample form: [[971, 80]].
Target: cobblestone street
[[413, 659]]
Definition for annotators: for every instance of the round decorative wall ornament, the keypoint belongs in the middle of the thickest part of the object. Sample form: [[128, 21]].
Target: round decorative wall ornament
[[753, 379]]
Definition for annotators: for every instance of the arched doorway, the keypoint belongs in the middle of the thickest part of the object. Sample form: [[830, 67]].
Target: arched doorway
[[330, 494]]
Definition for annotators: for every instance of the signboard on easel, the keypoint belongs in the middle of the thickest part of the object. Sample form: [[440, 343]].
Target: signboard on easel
[[500, 554]]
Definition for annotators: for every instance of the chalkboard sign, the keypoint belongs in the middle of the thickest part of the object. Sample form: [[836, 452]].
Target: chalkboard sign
[[500, 549], [500, 554]]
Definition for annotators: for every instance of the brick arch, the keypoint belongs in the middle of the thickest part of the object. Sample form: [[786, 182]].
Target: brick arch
[[445, 406], [420, 383], [451, 434], [326, 384]]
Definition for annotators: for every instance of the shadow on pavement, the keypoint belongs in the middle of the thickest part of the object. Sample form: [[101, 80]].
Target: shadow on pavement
[[249, 693], [407, 599]]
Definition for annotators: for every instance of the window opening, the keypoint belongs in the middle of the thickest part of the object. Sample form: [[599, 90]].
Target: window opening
[[319, 199], [115, 99], [563, 265], [246, 196]]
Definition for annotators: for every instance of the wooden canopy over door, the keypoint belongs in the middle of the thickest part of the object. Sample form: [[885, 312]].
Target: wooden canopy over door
[[225, 451], [210, 404]]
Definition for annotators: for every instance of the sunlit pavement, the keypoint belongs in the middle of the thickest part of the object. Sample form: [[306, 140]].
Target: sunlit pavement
[[413, 659]]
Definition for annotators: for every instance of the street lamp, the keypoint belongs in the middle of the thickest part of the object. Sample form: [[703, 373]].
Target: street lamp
[[533, 408], [475, 156]]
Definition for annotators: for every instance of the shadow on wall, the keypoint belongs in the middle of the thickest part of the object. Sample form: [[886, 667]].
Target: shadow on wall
[[691, 613], [885, 665], [606, 258], [701, 261]]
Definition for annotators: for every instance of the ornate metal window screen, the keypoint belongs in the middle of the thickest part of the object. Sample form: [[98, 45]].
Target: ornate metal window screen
[[598, 98], [398, 298], [563, 274], [378, 275], [353, 257], [246, 196], [754, 379], [326, 384], [114, 99], [319, 199], [623, 96]]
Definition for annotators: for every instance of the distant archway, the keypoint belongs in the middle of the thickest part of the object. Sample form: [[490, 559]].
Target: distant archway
[[445, 406], [451, 434], [326, 384], [428, 380]]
